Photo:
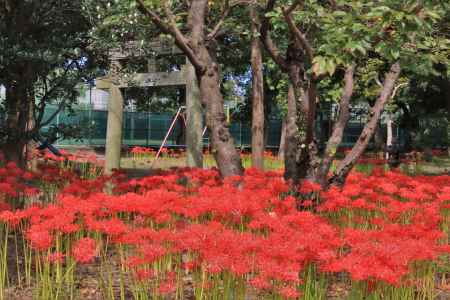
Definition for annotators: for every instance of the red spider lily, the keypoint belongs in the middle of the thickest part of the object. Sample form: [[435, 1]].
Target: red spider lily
[[40, 239], [376, 228], [56, 257], [84, 250], [261, 283], [309, 187], [167, 287], [144, 275], [289, 292], [4, 206], [13, 219]]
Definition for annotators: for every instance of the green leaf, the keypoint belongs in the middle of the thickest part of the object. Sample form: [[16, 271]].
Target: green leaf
[[331, 67]]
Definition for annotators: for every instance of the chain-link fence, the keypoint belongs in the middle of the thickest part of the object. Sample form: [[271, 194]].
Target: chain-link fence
[[149, 129]]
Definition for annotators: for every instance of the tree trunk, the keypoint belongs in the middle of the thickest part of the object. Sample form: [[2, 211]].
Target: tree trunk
[[199, 47], [378, 138], [301, 159], [282, 147], [17, 104], [338, 130], [447, 96], [358, 149], [31, 144], [203, 58], [310, 110], [388, 134], [194, 121], [257, 94], [224, 151], [301, 150], [292, 138]]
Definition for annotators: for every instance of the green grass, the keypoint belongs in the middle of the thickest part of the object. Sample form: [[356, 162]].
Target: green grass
[[439, 165], [165, 162]]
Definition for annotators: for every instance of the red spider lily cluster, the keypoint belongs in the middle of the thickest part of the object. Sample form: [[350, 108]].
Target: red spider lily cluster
[[253, 230], [79, 156], [141, 150], [13, 184]]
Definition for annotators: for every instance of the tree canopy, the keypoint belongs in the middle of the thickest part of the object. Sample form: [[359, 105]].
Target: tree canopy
[[45, 52]]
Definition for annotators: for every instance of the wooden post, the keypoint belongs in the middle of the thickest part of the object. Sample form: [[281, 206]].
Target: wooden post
[[114, 130]]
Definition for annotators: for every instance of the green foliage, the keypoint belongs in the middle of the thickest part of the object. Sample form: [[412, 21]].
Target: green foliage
[[369, 33], [45, 52]]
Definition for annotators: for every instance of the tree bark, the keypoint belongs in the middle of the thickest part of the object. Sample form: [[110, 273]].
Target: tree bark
[[301, 150], [292, 138], [378, 138], [201, 52], [257, 94], [17, 104], [31, 144], [282, 147], [194, 120], [224, 151], [338, 130], [358, 149]]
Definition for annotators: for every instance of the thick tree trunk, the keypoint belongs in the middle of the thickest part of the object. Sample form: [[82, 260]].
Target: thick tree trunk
[[282, 147], [31, 144], [310, 161], [301, 150], [358, 149], [378, 138], [17, 105], [257, 94], [310, 110], [194, 121], [301, 160], [199, 47], [203, 58], [292, 138], [338, 129], [296, 125], [224, 151]]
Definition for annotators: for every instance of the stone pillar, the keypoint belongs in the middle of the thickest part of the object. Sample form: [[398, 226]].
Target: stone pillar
[[194, 121], [114, 130]]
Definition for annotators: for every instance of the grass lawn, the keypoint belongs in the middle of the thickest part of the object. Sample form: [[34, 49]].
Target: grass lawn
[[438, 165]]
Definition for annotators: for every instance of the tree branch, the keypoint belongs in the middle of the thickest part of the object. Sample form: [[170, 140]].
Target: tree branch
[[301, 38], [48, 93], [197, 15], [221, 21], [154, 17], [292, 7], [358, 149], [49, 120], [39, 110], [180, 40], [397, 88], [173, 24], [339, 127], [267, 41]]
